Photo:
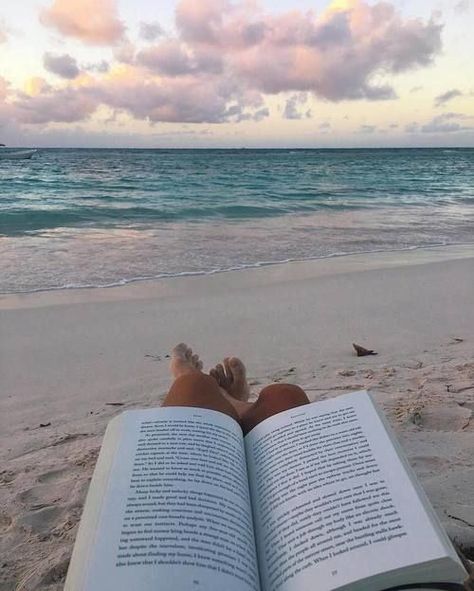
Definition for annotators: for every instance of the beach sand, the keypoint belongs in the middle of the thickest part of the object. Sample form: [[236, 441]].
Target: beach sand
[[71, 360]]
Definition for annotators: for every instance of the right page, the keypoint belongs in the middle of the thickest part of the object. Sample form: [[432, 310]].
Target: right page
[[334, 503]]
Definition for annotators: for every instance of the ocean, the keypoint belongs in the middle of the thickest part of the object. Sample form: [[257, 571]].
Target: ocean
[[92, 218]]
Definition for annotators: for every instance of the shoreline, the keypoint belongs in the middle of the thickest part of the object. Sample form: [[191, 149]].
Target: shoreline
[[296, 268]]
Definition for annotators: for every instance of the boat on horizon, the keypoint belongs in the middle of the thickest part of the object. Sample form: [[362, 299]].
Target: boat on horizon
[[6, 154]]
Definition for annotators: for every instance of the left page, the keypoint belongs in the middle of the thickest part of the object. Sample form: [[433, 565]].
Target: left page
[[174, 511]]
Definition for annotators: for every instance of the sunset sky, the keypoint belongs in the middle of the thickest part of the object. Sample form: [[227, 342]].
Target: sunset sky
[[216, 73]]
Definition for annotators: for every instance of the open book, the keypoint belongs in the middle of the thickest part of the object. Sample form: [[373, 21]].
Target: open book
[[319, 497]]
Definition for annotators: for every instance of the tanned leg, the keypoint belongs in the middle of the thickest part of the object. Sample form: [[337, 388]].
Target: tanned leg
[[191, 387], [272, 400], [226, 390]]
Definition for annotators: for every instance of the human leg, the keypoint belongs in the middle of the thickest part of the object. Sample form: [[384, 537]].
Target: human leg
[[192, 387], [226, 390], [273, 399]]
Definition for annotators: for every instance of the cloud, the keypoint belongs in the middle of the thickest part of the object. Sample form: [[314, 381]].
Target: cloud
[[151, 31], [444, 98], [335, 56], [127, 90], [64, 66], [226, 56], [187, 99], [94, 22], [258, 115], [367, 129], [59, 106], [170, 58], [445, 123], [125, 52], [291, 110], [416, 89], [37, 85], [462, 6], [4, 85], [101, 67]]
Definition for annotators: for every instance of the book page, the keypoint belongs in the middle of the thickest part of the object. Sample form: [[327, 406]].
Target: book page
[[332, 501], [176, 512]]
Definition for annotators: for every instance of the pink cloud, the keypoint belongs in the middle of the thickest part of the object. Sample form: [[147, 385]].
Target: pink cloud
[[201, 22], [67, 105], [187, 99], [179, 99], [226, 57], [94, 22], [172, 57], [335, 56]]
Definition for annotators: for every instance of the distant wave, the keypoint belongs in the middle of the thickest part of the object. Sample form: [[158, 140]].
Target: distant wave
[[100, 218], [115, 188]]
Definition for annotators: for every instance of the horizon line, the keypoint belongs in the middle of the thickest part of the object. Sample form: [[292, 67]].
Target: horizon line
[[244, 148]]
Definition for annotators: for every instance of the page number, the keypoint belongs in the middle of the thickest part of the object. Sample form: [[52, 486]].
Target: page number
[[333, 573], [195, 582]]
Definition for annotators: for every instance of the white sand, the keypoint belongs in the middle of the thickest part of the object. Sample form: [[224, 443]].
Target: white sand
[[65, 355]]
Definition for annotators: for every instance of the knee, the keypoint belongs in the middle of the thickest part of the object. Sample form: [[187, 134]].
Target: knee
[[289, 393], [193, 384], [272, 400]]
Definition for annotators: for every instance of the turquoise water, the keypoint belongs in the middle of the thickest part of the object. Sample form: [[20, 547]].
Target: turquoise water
[[75, 218]]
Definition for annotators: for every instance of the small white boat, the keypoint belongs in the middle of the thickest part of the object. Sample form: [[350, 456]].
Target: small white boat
[[16, 154]]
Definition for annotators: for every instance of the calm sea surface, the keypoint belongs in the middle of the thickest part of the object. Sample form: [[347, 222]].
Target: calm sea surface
[[76, 218]]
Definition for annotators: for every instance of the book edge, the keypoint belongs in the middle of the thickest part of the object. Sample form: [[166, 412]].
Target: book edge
[[90, 517], [433, 517]]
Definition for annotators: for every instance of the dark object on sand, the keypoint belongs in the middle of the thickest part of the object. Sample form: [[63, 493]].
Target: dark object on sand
[[45, 424], [362, 351], [114, 403]]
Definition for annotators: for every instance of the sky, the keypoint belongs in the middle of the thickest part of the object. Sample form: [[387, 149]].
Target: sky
[[236, 73]]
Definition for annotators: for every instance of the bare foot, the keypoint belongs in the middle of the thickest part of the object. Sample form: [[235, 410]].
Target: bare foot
[[232, 379], [231, 376], [183, 361]]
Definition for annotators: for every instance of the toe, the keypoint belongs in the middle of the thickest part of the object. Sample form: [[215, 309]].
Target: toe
[[228, 370], [237, 368], [221, 375], [182, 361], [182, 351], [240, 387]]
